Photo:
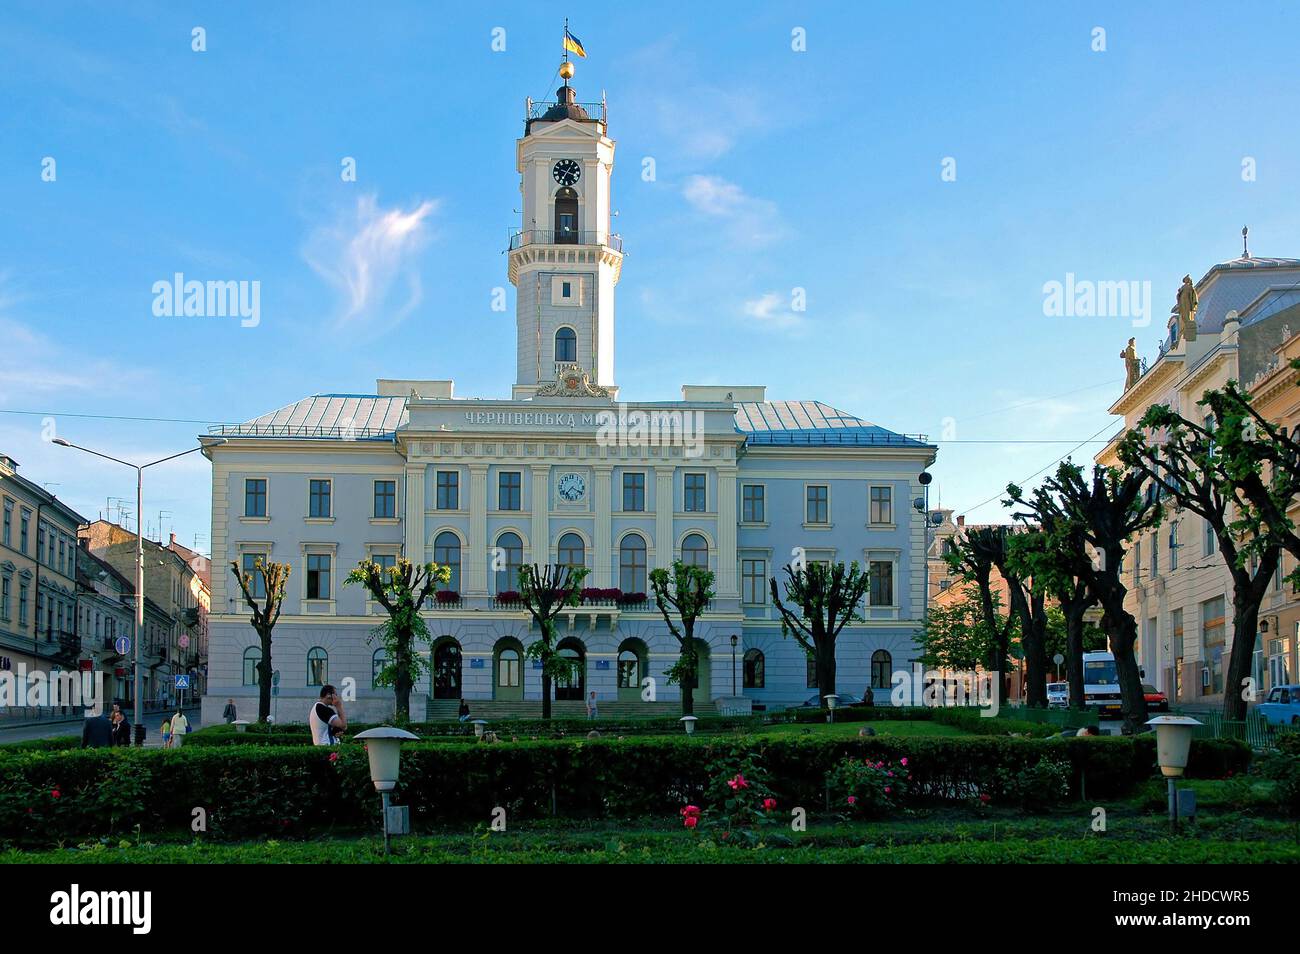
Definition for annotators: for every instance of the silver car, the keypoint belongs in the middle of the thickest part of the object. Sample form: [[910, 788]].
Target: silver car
[[1058, 695]]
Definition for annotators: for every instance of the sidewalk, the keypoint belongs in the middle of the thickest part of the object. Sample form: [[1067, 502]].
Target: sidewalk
[[50, 729]]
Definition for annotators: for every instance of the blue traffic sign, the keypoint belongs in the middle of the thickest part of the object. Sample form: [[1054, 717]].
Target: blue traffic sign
[[182, 682], [122, 644]]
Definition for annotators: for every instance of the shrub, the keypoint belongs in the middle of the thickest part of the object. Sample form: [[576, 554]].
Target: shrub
[[1042, 785], [868, 789], [1283, 771]]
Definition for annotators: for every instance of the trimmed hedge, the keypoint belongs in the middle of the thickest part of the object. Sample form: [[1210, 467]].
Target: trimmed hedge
[[59, 743], [283, 790]]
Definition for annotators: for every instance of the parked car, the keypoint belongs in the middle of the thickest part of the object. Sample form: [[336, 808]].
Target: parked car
[[1157, 701], [1058, 695], [1282, 706]]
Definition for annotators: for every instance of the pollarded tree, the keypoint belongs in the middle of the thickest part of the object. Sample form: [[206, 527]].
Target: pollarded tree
[[273, 578], [1204, 469], [402, 590], [685, 593], [1029, 604], [975, 556], [545, 592], [1105, 512], [824, 598]]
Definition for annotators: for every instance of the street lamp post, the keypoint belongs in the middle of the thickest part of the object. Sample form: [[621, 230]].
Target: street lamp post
[[139, 561], [734, 640]]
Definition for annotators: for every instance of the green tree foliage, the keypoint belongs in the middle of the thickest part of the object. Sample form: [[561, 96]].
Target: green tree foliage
[[682, 596], [820, 600], [266, 613]]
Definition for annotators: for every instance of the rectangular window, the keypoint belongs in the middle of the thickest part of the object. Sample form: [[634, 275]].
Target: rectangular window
[[255, 497], [318, 576], [63, 553], [818, 504], [318, 502], [1173, 547], [257, 583], [1155, 555], [41, 556], [510, 491], [695, 498], [753, 577], [386, 498], [6, 587], [1212, 639], [22, 604], [384, 561], [882, 504], [508, 670], [23, 523], [1211, 541], [566, 290], [9, 523], [634, 492], [752, 508], [811, 672], [882, 583], [448, 490]]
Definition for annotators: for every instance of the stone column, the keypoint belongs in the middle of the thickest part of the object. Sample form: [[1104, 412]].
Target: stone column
[[727, 567], [414, 542], [473, 565], [540, 534], [603, 545], [665, 506]]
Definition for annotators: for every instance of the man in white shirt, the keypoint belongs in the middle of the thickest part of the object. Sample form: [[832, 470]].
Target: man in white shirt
[[180, 725], [326, 718]]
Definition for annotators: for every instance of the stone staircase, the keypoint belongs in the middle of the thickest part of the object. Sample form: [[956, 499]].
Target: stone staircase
[[497, 711]]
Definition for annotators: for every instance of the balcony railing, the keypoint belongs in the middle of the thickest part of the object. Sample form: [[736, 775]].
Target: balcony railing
[[595, 111], [565, 237]]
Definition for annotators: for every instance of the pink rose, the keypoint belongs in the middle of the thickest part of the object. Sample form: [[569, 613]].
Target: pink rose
[[690, 821], [769, 804], [902, 762], [738, 783], [334, 756], [853, 799], [888, 790], [54, 793]]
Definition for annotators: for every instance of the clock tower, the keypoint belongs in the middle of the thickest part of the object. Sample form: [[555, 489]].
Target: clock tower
[[564, 260]]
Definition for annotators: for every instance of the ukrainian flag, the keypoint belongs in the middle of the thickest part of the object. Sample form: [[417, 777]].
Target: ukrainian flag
[[574, 45]]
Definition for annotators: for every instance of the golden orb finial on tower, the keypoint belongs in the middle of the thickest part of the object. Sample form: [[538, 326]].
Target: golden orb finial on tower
[[566, 70]]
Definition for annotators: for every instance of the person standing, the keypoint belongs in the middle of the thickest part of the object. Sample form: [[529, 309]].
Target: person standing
[[121, 727], [97, 733], [326, 719], [180, 725], [166, 733], [591, 705], [228, 713]]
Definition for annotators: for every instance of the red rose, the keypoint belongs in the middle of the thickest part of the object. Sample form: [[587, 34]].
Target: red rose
[[690, 821], [54, 793]]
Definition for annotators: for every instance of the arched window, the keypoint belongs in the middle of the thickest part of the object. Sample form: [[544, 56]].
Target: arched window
[[446, 551], [566, 217], [318, 666], [755, 676], [571, 552], [631, 564], [695, 551], [566, 345], [377, 663], [252, 656], [508, 558], [882, 670]]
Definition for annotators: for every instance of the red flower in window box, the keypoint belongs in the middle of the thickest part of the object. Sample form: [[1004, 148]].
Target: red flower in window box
[[446, 597]]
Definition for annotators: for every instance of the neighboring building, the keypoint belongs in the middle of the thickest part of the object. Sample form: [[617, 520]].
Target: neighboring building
[[740, 484], [1275, 395], [179, 596], [106, 612], [1180, 591], [201, 588], [38, 575]]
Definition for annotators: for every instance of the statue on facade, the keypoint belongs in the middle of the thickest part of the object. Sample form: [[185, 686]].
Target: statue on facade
[[1132, 367], [1187, 302]]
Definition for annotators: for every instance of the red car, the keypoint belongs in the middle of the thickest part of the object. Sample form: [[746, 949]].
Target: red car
[[1157, 701]]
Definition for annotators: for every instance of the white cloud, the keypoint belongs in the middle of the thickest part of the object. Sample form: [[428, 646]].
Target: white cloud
[[368, 255], [748, 220], [772, 310]]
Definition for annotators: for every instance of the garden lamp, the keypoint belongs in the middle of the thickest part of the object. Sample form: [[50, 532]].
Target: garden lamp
[[1173, 743], [689, 723], [384, 746]]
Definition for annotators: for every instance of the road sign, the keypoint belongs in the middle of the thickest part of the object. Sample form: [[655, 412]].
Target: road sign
[[183, 642], [122, 644], [1058, 659], [182, 682]]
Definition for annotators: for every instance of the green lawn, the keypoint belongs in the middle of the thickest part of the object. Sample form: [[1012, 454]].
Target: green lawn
[[847, 729]]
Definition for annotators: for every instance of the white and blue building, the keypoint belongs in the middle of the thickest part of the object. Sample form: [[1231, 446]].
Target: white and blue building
[[563, 472]]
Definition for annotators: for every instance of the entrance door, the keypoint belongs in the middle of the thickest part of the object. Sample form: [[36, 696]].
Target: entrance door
[[574, 687], [446, 670]]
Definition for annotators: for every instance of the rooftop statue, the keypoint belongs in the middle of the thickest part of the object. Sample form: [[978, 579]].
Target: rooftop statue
[[1187, 302], [1132, 367]]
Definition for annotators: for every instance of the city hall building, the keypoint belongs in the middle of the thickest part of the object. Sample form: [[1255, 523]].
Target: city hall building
[[561, 472]]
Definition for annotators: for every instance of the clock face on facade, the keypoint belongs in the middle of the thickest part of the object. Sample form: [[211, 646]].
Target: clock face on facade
[[566, 172], [572, 487]]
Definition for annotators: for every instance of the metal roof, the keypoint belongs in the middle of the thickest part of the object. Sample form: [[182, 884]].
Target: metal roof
[[813, 423], [1249, 279], [327, 416]]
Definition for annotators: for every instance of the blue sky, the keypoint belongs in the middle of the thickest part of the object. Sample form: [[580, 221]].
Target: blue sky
[[776, 169]]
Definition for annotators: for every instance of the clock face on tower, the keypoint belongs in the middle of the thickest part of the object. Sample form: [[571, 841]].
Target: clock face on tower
[[566, 172], [572, 487]]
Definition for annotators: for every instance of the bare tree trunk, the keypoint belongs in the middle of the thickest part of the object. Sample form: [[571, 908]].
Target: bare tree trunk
[[1034, 643], [688, 687], [1245, 626], [1074, 613], [825, 667], [1122, 630], [264, 674]]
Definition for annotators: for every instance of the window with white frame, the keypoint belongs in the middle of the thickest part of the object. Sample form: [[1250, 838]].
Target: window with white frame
[[753, 581], [882, 505]]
